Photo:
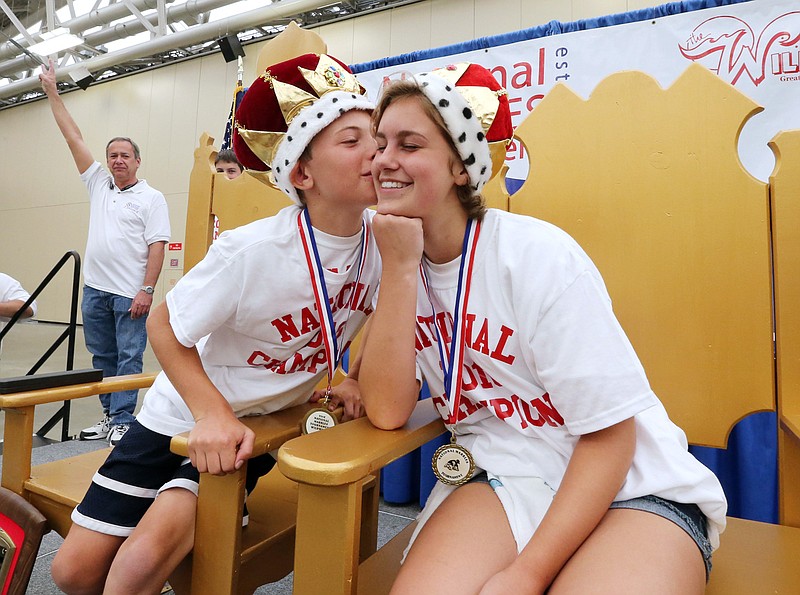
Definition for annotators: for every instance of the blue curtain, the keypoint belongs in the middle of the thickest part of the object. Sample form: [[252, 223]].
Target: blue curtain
[[748, 468]]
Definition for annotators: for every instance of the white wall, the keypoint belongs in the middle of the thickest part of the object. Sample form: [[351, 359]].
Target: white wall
[[43, 204]]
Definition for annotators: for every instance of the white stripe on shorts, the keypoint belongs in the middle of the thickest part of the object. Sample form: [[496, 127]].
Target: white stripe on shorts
[[180, 482], [123, 488], [100, 526]]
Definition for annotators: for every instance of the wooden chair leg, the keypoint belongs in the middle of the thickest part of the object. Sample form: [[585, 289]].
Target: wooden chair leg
[[17, 447], [218, 538], [330, 565]]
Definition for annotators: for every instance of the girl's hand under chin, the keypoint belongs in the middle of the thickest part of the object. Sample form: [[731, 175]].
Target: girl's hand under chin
[[399, 239]]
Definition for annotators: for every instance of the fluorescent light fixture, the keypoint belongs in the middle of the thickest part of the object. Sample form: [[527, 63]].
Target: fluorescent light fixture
[[55, 41]]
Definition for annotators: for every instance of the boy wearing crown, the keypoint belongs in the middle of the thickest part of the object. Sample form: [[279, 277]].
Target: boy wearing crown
[[250, 330]]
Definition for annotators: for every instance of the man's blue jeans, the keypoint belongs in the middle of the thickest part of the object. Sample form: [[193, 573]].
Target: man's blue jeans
[[116, 342]]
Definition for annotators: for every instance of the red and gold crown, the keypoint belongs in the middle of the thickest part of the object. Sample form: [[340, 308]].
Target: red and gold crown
[[476, 111], [289, 104]]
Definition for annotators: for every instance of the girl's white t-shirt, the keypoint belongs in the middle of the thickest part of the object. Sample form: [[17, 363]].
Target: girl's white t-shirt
[[545, 362]]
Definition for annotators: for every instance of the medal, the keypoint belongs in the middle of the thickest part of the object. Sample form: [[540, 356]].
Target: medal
[[320, 418], [452, 463]]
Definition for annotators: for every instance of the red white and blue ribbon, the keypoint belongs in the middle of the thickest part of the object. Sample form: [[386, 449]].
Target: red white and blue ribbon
[[317, 274], [452, 362]]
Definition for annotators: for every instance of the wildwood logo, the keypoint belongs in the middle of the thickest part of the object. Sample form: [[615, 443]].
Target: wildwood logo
[[728, 46]]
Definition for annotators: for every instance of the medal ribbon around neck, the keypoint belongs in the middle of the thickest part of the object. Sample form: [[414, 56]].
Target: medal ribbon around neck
[[317, 274], [452, 365]]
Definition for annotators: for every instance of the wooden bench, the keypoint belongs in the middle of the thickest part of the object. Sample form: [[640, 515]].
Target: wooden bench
[[653, 190]]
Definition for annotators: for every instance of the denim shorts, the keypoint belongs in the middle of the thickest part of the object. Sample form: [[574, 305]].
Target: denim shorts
[[687, 516]]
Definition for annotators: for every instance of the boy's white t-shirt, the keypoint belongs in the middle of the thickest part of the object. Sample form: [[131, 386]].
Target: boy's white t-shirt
[[546, 361], [249, 307]]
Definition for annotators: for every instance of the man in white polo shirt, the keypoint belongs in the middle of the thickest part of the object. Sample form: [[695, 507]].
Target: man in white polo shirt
[[128, 227]]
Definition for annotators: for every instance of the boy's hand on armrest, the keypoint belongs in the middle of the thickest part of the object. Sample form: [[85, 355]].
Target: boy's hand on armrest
[[345, 394], [220, 445]]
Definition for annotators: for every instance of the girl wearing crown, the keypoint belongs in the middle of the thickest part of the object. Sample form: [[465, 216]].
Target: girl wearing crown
[[563, 473]]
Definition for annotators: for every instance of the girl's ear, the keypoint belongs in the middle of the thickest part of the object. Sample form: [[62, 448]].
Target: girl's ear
[[460, 175], [300, 176]]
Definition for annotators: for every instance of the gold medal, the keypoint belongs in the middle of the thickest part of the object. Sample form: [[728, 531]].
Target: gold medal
[[319, 418], [316, 420], [452, 463]]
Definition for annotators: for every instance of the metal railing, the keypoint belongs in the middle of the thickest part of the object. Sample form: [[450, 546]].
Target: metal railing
[[68, 335]]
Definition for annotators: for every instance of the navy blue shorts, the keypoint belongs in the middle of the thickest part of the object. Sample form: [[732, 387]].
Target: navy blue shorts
[[140, 466]]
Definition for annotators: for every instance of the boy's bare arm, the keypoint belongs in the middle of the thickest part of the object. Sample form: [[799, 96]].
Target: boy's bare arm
[[219, 443]]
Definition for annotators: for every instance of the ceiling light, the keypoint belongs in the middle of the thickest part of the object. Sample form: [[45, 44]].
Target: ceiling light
[[82, 77], [55, 41]]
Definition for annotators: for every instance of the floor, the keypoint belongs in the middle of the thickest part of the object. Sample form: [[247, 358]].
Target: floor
[[21, 349]]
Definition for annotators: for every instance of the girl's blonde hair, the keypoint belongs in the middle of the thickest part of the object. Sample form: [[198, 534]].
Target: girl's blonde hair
[[474, 205]]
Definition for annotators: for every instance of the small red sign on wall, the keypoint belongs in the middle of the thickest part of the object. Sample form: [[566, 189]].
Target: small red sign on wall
[[176, 246]]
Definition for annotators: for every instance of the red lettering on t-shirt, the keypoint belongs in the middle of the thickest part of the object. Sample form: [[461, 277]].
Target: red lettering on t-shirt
[[259, 358], [503, 408], [308, 321], [421, 340], [319, 358], [485, 379], [481, 343], [497, 352], [442, 319], [469, 380], [286, 327], [547, 410]]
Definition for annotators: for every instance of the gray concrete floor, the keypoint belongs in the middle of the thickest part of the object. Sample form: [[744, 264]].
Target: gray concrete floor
[[20, 350]]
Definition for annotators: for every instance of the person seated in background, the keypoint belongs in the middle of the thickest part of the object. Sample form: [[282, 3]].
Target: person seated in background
[[248, 331], [227, 163], [12, 298]]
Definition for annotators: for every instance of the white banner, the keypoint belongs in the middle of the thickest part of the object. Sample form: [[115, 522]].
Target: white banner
[[754, 46]]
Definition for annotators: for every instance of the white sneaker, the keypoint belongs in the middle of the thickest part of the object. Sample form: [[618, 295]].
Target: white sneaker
[[98, 431], [116, 434]]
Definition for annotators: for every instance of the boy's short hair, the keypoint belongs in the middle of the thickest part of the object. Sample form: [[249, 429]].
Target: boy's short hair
[[228, 156], [286, 107]]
